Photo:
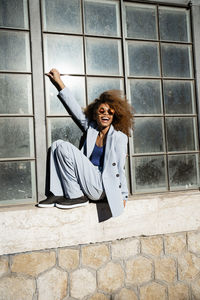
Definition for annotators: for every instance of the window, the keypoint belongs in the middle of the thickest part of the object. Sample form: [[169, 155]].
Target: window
[[161, 88], [17, 157], [144, 49]]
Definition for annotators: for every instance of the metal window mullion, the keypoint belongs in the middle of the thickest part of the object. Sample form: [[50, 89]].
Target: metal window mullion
[[38, 94], [195, 37], [14, 29], [125, 69], [15, 72], [137, 154], [163, 104], [164, 78], [195, 17], [16, 116], [84, 50], [162, 3], [17, 159]]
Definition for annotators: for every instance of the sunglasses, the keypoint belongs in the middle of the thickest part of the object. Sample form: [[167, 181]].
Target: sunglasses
[[102, 110]]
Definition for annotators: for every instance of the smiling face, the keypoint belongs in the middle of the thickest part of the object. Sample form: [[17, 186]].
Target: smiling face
[[104, 116]]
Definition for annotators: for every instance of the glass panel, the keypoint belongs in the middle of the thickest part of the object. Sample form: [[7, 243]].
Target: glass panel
[[16, 137], [14, 13], [102, 18], [54, 105], [62, 16], [96, 86], [17, 182], [179, 97], [15, 94], [149, 174], [146, 96], [180, 134], [183, 172], [143, 59], [14, 51], [176, 61], [136, 27], [64, 53], [148, 135], [64, 129], [103, 57], [174, 24]]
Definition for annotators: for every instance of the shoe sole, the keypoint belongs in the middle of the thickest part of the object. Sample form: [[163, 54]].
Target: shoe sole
[[46, 205], [72, 205]]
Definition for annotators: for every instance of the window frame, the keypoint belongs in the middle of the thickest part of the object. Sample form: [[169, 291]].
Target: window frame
[[38, 80]]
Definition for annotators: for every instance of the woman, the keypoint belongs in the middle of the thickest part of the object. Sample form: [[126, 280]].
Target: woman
[[97, 170]]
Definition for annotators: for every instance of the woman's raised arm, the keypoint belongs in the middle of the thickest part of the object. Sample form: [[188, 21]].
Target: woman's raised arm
[[54, 76], [68, 98]]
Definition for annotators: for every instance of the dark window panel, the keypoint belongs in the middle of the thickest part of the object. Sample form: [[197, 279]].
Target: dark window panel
[[149, 173]]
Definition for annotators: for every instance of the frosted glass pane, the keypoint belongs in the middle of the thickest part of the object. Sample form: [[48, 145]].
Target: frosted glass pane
[[15, 94], [62, 16], [102, 18], [54, 105], [16, 137], [183, 171], [146, 96], [141, 21], [149, 174], [14, 51], [143, 59], [96, 86], [17, 182], [178, 97], [14, 13], [148, 135], [64, 129], [176, 61], [174, 24], [180, 133], [64, 53], [103, 57]]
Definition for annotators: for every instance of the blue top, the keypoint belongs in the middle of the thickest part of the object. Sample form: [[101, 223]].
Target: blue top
[[97, 156]]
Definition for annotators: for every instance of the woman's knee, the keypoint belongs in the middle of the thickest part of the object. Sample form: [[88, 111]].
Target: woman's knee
[[56, 144], [64, 148]]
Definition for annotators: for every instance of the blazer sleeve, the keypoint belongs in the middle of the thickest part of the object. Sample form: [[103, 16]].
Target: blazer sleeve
[[121, 150], [75, 109]]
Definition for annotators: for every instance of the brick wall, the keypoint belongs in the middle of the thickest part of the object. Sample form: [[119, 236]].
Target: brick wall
[[161, 267]]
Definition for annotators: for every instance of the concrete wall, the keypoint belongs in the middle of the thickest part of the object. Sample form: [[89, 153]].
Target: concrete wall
[[151, 252], [160, 267]]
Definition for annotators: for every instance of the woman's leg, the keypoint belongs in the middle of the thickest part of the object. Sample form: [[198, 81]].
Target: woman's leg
[[55, 182], [77, 175]]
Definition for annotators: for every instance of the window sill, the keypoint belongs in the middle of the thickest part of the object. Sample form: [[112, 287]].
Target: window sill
[[27, 228]]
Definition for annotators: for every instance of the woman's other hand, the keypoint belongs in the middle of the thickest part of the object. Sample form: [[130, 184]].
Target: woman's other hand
[[54, 76]]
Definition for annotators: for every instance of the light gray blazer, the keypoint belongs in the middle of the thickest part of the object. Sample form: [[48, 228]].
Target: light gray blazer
[[113, 174]]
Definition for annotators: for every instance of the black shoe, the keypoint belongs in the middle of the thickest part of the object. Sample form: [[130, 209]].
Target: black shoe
[[70, 203], [50, 201]]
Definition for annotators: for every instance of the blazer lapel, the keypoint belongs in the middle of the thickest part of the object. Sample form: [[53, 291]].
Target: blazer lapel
[[92, 134], [91, 140], [109, 141]]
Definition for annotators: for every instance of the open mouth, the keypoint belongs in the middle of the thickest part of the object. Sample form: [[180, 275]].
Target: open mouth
[[105, 119]]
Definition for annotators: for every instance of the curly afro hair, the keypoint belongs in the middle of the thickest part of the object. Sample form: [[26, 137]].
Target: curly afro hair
[[123, 117]]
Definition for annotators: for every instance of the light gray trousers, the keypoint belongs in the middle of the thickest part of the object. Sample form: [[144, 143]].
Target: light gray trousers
[[72, 174]]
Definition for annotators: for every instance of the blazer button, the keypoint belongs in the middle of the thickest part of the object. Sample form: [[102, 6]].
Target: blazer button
[[120, 186], [114, 164], [117, 175]]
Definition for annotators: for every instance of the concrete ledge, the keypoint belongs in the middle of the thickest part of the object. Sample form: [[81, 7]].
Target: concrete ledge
[[28, 228]]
